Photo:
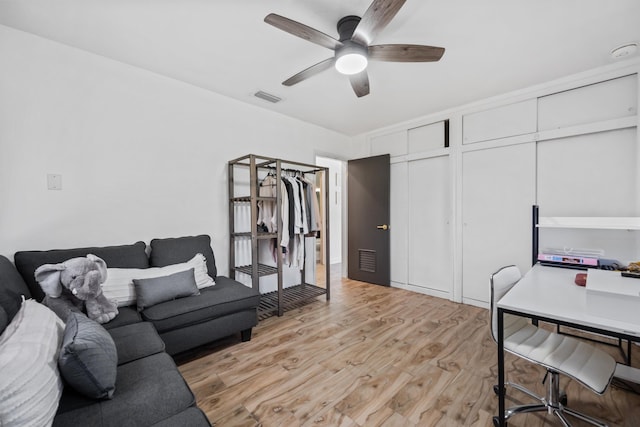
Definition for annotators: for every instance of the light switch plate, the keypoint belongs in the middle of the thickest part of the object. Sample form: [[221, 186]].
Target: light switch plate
[[54, 181]]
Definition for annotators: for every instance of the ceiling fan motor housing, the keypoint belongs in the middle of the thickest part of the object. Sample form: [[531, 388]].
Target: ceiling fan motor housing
[[346, 27]]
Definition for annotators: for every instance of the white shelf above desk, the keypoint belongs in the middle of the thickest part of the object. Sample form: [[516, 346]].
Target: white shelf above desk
[[602, 223]]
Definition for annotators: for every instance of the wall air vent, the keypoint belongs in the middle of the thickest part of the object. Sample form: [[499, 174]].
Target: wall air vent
[[267, 97], [367, 260]]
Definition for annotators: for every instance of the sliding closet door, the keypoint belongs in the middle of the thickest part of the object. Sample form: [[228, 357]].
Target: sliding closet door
[[429, 226]]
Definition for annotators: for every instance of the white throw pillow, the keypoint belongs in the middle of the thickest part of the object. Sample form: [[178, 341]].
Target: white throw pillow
[[30, 383], [119, 283]]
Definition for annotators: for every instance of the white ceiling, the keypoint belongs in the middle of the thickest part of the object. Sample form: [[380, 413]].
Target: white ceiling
[[492, 47]]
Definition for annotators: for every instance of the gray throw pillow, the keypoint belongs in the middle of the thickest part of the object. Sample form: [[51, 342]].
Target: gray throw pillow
[[174, 250], [166, 288], [88, 358]]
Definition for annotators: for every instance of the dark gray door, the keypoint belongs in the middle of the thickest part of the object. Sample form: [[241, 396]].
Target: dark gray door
[[368, 189]]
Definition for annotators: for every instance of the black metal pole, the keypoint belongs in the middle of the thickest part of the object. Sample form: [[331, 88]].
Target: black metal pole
[[501, 391], [535, 216]]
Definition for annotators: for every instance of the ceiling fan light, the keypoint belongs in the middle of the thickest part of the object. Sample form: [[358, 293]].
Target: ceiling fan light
[[351, 63], [351, 60]]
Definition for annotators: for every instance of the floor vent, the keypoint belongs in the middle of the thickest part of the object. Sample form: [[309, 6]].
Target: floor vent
[[367, 260], [267, 97]]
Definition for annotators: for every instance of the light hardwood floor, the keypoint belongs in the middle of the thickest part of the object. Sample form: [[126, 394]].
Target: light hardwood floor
[[375, 356]]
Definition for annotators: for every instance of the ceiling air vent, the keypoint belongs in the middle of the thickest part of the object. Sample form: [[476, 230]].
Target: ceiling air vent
[[267, 97]]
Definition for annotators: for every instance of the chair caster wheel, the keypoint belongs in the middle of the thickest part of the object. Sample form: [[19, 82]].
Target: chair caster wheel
[[563, 398], [496, 389], [496, 422]]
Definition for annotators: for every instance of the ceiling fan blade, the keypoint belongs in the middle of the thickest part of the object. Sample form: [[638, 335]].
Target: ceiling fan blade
[[360, 83], [302, 31], [378, 16], [405, 53], [309, 72]]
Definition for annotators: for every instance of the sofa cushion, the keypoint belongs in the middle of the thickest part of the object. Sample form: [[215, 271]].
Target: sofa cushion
[[136, 341], [4, 319], [181, 249], [191, 417], [30, 384], [119, 284], [126, 316], [150, 292], [148, 390], [124, 256], [88, 357], [183, 339], [228, 296], [12, 288]]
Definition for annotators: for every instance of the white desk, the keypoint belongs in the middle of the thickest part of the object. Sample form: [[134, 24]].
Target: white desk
[[550, 294]]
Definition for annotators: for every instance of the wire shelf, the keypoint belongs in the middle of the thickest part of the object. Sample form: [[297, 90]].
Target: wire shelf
[[263, 270], [292, 297]]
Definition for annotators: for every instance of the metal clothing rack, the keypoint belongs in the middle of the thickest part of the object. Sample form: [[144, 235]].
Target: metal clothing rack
[[284, 298]]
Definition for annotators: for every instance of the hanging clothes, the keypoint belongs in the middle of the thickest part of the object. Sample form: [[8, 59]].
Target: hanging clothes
[[296, 247], [267, 216], [315, 221], [297, 205], [307, 203], [290, 209], [300, 214]]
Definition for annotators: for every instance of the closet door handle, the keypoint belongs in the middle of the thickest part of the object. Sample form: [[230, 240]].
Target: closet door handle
[[383, 227]]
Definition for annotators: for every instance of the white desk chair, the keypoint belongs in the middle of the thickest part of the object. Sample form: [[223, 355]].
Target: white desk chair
[[558, 354]]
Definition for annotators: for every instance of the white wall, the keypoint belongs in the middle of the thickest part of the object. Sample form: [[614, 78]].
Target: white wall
[[141, 155]]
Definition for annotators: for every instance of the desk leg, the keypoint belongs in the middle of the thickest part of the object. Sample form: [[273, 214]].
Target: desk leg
[[501, 374]]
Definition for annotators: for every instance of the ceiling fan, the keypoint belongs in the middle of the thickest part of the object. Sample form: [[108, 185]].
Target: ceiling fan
[[353, 49]]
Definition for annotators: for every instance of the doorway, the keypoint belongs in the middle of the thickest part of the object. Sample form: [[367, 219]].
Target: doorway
[[337, 173]]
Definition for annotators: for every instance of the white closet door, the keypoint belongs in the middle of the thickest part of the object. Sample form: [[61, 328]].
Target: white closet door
[[498, 190], [589, 175], [399, 224], [429, 231]]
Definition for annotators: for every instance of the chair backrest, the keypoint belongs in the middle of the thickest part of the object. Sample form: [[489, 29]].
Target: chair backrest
[[501, 282]]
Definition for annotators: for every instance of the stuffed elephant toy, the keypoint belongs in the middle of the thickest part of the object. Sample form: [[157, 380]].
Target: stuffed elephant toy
[[78, 281]]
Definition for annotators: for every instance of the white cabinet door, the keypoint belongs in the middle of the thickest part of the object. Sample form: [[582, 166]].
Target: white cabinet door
[[501, 122], [394, 144], [426, 138], [498, 190], [429, 231], [607, 100]]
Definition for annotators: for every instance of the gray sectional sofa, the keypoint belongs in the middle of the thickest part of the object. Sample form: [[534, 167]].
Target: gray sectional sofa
[[149, 389]]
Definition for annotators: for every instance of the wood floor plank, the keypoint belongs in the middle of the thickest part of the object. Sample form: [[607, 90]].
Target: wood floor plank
[[373, 395], [237, 417], [309, 398], [420, 395], [377, 356], [330, 418], [222, 403]]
